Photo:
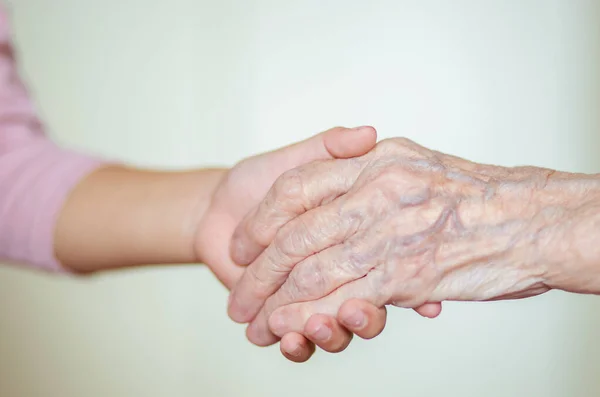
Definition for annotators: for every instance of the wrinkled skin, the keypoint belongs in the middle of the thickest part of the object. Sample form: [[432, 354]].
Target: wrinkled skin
[[244, 186], [402, 225]]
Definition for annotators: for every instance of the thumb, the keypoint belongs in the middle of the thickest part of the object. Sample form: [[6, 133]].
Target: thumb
[[334, 143], [337, 142], [344, 143]]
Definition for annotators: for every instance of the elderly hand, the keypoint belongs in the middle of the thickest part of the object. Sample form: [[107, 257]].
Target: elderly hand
[[401, 225], [244, 186]]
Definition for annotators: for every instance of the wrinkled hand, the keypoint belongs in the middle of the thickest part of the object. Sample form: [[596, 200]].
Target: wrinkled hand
[[401, 225], [245, 185]]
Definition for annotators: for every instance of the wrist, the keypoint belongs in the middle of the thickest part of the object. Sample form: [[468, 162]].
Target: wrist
[[569, 242], [516, 236], [119, 217], [214, 218]]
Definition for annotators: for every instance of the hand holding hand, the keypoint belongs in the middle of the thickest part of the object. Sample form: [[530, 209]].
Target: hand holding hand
[[401, 225], [244, 186]]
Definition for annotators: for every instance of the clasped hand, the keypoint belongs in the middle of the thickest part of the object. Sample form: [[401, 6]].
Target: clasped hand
[[335, 241]]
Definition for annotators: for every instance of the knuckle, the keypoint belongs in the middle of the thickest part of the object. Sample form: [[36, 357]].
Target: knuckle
[[275, 259], [386, 175], [258, 231], [389, 176], [281, 242], [289, 185], [258, 281], [359, 261], [401, 146], [308, 279], [294, 237], [302, 188], [381, 282], [271, 304], [376, 199], [269, 271], [394, 144], [402, 141], [397, 185], [385, 148], [292, 290]]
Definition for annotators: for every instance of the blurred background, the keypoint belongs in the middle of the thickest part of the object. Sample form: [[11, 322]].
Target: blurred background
[[185, 83]]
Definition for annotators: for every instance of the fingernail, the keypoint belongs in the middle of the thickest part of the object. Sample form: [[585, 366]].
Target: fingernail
[[356, 320], [322, 333], [238, 251], [360, 128], [295, 351], [235, 251]]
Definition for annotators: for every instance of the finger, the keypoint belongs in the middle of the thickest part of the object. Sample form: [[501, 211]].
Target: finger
[[258, 331], [255, 233], [292, 318], [318, 275], [293, 193], [296, 347], [342, 144], [325, 271], [300, 238], [319, 329], [327, 267], [362, 318], [429, 310], [335, 143], [313, 278], [325, 332], [351, 315]]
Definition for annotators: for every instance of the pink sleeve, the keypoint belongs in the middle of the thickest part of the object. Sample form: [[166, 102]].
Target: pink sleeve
[[35, 174]]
